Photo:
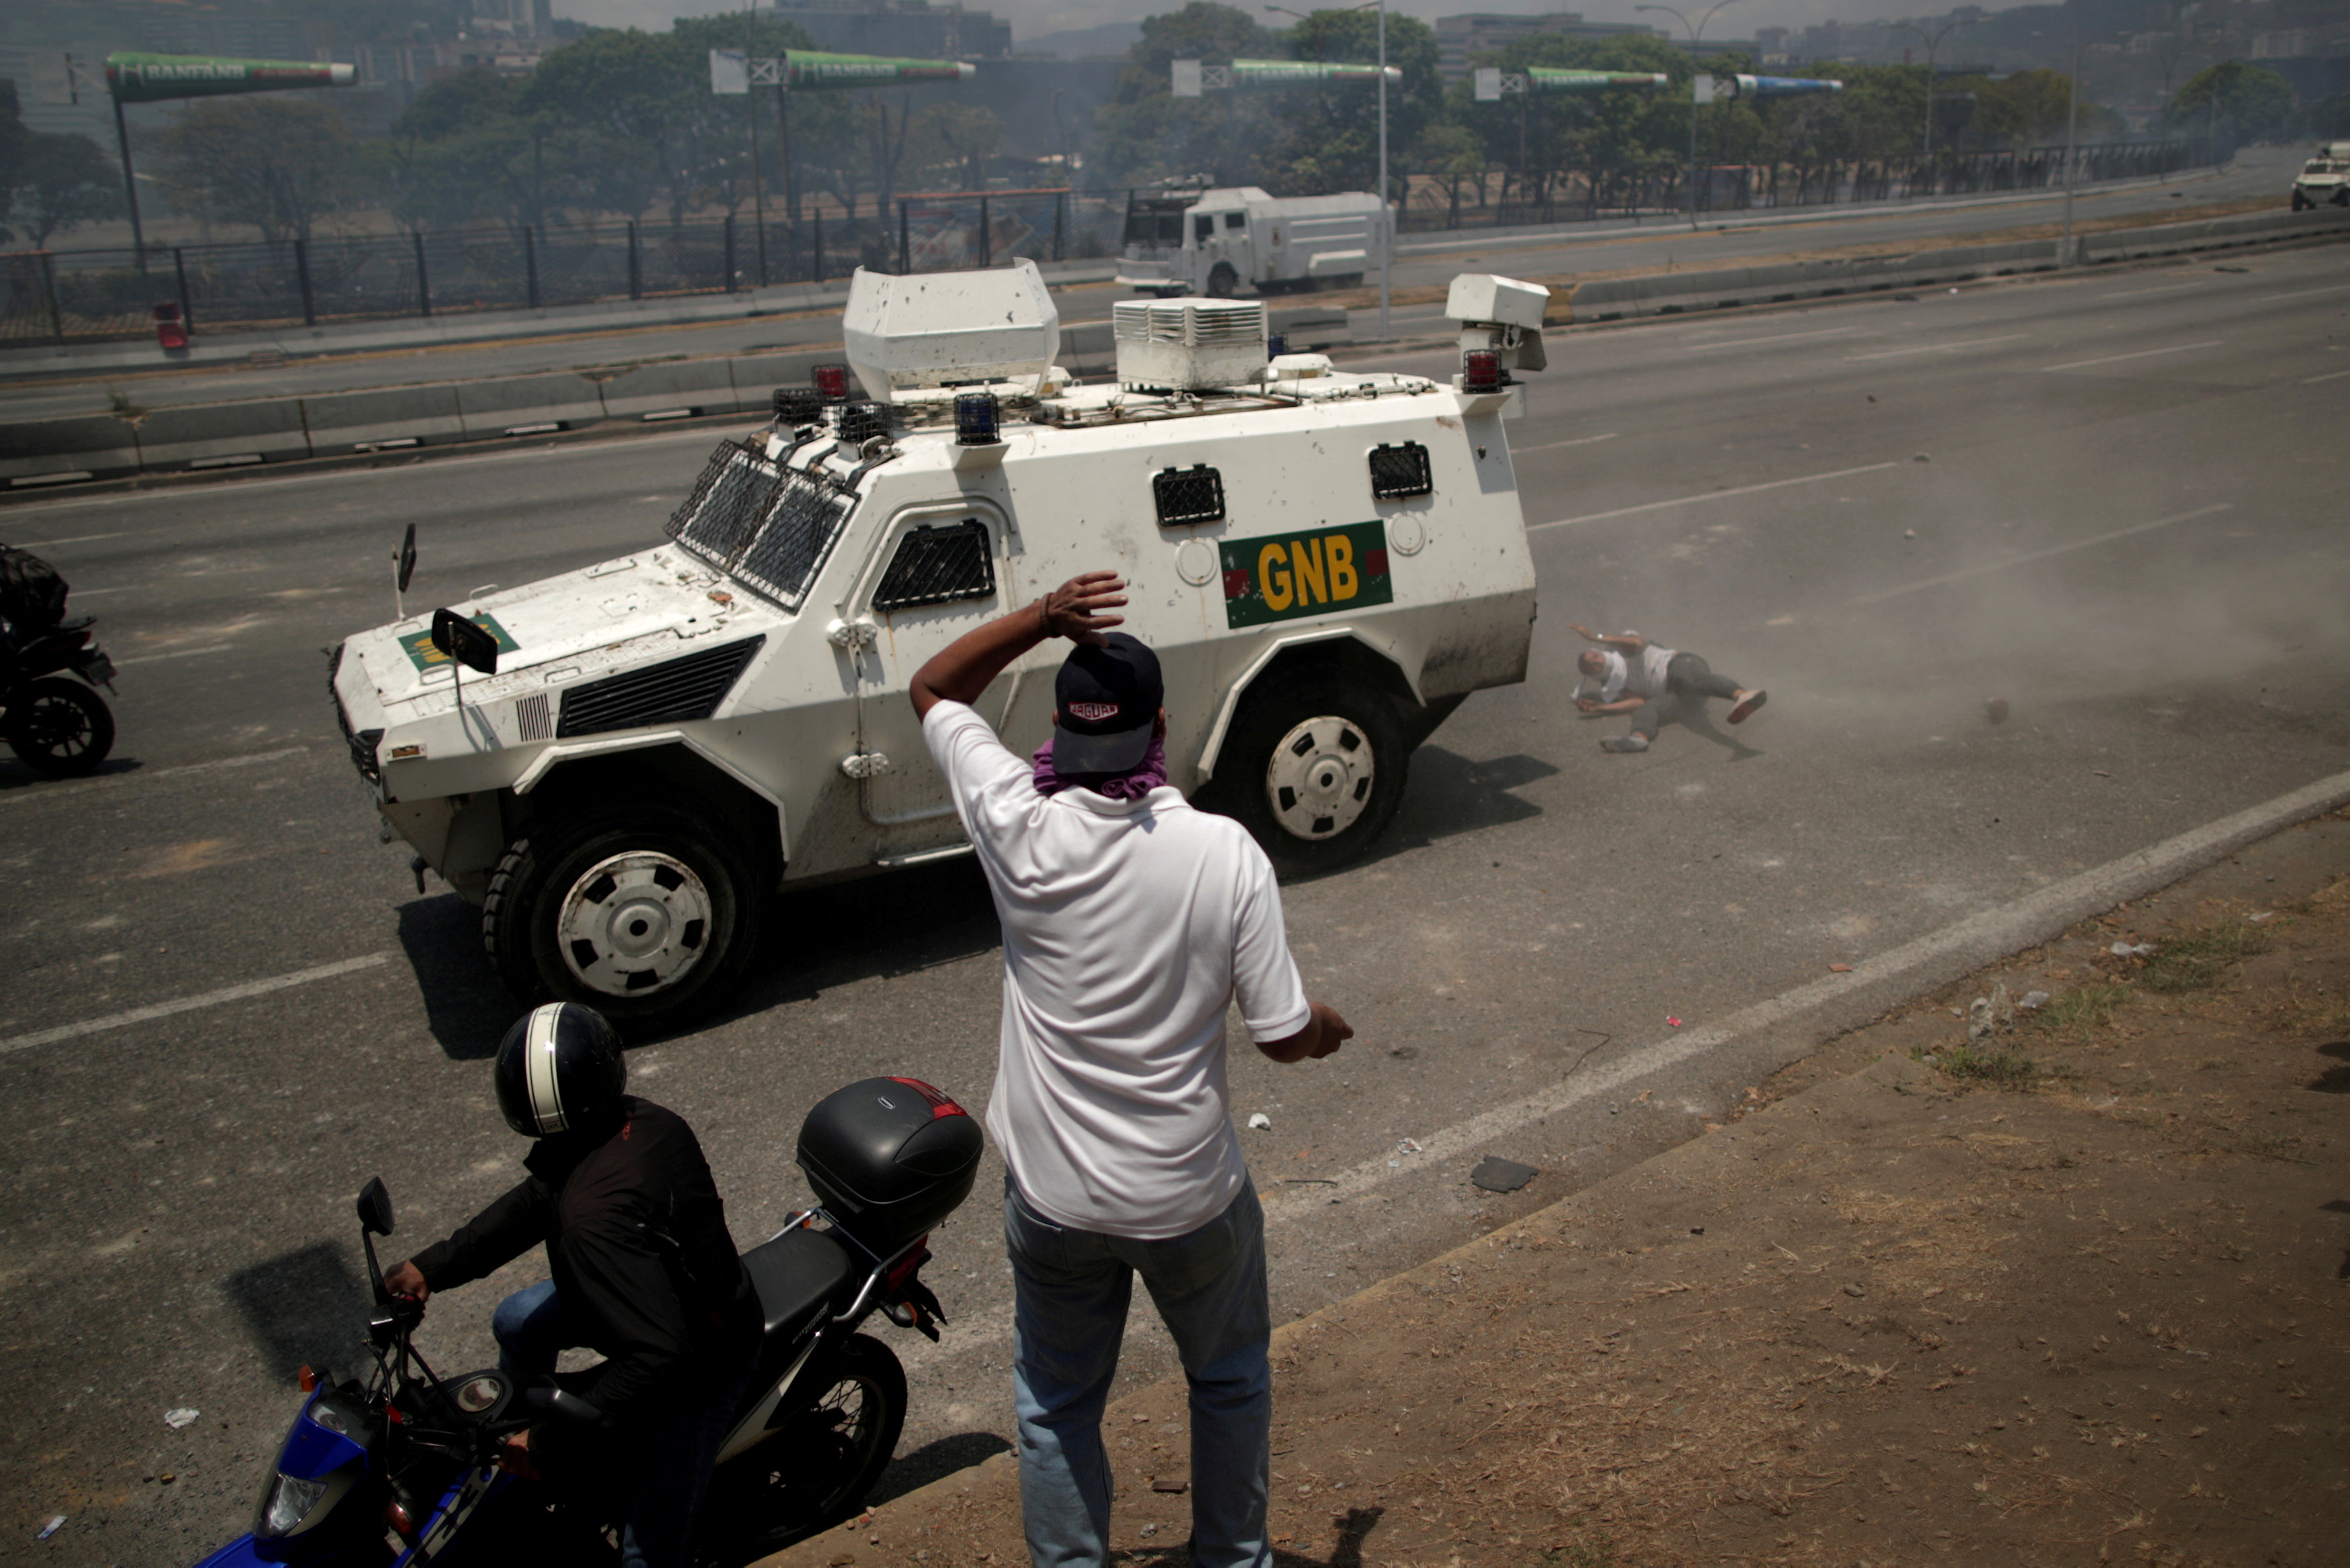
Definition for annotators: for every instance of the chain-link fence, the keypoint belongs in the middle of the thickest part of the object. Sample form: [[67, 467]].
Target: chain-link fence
[[66, 296]]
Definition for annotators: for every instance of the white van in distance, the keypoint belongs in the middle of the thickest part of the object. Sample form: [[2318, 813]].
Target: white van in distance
[[1241, 241]]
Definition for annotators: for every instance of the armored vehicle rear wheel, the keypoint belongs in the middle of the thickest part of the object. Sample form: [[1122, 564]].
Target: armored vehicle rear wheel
[[1223, 282], [641, 912], [1314, 771]]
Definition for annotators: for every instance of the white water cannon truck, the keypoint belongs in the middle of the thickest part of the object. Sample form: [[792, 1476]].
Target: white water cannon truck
[[1224, 242], [623, 764]]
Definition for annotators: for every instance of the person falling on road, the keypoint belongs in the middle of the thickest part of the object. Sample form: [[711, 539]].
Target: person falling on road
[[1656, 686], [1131, 923]]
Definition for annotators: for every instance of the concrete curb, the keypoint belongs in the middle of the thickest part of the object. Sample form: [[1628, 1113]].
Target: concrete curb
[[1822, 1009]]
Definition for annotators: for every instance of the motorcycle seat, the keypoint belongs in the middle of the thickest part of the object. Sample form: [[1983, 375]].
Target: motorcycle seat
[[75, 623], [795, 1274]]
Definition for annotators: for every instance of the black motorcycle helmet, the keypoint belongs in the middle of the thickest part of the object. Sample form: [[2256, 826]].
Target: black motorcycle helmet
[[559, 1068]]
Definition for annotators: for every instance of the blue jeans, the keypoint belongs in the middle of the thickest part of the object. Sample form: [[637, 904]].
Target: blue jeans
[[1072, 1289], [669, 1459]]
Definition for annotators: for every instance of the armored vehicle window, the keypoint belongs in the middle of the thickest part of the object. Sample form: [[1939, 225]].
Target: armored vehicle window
[[1203, 227], [1188, 496], [1400, 471], [771, 528], [936, 565], [1236, 219]]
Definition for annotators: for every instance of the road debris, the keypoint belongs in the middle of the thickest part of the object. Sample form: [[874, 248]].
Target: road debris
[[1996, 709], [182, 1416], [1839, 968], [1259, 1122], [57, 1522], [2127, 949], [1495, 1174], [1671, 1023]]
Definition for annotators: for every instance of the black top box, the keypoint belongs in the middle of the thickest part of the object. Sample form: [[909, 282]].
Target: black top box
[[889, 1157]]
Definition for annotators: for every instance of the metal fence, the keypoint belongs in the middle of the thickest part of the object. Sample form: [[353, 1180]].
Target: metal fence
[[68, 295]]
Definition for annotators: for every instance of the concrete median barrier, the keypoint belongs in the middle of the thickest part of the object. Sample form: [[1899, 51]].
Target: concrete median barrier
[[679, 388], [2212, 234], [223, 435], [1311, 329], [388, 420], [757, 377], [52, 451], [528, 405]]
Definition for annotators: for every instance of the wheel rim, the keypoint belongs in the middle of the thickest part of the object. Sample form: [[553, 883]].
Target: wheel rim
[[838, 1436], [1319, 779], [635, 923], [58, 726]]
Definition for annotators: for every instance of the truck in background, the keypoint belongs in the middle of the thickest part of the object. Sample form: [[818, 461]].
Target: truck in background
[[1224, 241]]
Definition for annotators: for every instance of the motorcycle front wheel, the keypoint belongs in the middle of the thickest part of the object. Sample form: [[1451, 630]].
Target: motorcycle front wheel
[[818, 1467], [59, 727]]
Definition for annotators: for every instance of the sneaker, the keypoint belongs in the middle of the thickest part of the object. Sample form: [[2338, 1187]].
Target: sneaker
[[1624, 743], [1746, 706]]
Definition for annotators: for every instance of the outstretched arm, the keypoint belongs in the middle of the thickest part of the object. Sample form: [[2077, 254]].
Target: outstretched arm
[[1625, 642], [960, 671], [1324, 1032]]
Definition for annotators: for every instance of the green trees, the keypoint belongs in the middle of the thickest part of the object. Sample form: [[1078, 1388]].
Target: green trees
[[50, 184], [277, 163], [2242, 102]]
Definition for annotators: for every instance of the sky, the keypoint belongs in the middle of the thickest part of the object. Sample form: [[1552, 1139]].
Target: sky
[[1035, 19]]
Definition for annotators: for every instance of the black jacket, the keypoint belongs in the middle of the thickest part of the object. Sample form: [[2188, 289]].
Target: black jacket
[[637, 1242]]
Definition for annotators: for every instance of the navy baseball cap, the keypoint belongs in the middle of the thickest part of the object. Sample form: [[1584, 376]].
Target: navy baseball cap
[[1108, 696]]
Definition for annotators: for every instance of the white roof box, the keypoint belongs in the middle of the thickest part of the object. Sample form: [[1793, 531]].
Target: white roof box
[[1488, 297], [1187, 345], [908, 334]]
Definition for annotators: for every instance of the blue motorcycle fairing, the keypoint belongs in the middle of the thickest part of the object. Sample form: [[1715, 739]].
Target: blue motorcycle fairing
[[312, 1451], [237, 1553], [440, 1534]]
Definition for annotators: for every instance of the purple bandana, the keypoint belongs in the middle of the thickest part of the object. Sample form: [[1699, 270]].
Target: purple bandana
[[1148, 774]]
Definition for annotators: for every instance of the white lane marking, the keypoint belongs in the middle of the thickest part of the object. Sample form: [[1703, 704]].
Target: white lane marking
[[1710, 495], [1551, 445], [77, 539], [2305, 293], [67, 792], [2141, 354], [183, 653], [2041, 555], [1782, 338], [2329, 376], [1937, 347], [16, 1043], [93, 593], [2158, 289], [182, 496]]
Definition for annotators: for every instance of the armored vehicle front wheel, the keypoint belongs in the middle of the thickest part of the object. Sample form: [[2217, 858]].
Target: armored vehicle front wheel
[[641, 913], [1316, 770], [1223, 282]]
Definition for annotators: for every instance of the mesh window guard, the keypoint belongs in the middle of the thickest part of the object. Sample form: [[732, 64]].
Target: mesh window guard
[[1188, 496], [938, 564], [723, 511], [1400, 471]]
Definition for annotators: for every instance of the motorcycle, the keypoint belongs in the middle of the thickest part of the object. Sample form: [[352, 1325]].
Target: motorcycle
[[57, 725], [403, 1467]]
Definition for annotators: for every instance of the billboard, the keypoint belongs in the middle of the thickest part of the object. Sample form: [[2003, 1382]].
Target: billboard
[[809, 68], [145, 79], [1298, 73], [1772, 87], [1551, 78]]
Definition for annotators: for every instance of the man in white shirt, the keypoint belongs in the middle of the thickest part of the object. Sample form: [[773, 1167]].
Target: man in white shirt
[[1626, 673], [1131, 923]]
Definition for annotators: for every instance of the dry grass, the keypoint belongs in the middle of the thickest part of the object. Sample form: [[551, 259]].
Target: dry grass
[[2074, 1013], [2197, 960]]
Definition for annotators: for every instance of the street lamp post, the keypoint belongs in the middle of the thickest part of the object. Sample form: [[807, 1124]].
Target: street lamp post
[[1696, 34], [1933, 42], [1386, 243], [2072, 133]]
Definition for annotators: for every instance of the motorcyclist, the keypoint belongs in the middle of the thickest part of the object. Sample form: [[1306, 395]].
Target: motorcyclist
[[644, 1271]]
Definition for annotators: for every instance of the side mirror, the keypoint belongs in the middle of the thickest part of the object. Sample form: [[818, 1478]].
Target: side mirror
[[406, 559], [375, 1208], [462, 641]]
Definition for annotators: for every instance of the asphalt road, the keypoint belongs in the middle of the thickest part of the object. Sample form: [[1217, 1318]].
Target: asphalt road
[[2111, 501], [1652, 244]]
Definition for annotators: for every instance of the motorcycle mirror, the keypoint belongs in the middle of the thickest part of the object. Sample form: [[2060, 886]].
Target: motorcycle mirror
[[375, 1208], [407, 559], [462, 641]]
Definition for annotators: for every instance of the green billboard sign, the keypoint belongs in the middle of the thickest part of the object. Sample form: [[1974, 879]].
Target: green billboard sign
[[144, 79], [1295, 73], [810, 69], [1552, 79]]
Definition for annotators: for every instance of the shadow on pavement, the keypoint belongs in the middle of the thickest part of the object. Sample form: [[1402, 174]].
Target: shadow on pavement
[[935, 1461], [299, 1307], [464, 1005]]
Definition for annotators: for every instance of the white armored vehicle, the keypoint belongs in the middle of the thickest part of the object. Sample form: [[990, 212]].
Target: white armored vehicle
[[2324, 178], [623, 764]]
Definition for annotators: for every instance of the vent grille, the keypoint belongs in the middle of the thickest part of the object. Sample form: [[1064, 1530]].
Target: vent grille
[[682, 688], [1400, 471], [771, 528], [1193, 323], [936, 565], [532, 718], [1187, 497]]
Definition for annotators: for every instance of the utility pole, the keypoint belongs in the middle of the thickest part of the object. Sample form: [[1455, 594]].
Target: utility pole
[[1696, 34]]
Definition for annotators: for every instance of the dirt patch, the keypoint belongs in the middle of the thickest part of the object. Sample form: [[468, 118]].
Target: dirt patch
[[2072, 1293]]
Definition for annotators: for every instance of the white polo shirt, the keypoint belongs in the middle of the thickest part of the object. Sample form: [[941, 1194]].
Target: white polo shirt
[[1644, 679], [1129, 927]]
